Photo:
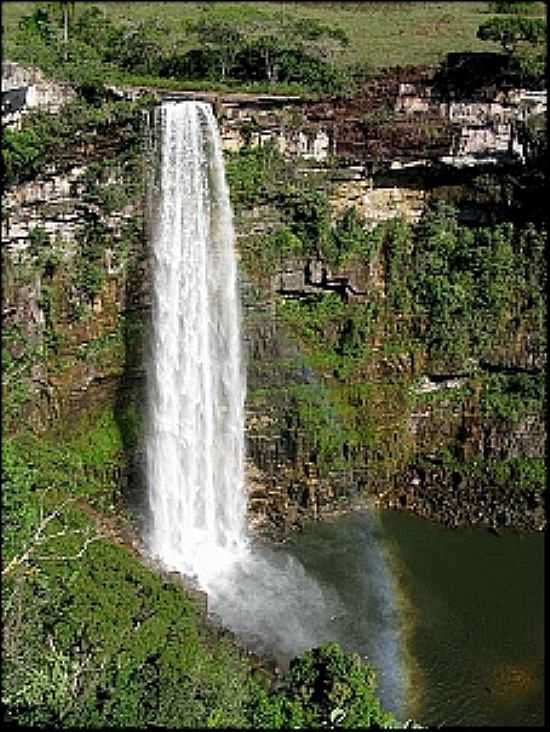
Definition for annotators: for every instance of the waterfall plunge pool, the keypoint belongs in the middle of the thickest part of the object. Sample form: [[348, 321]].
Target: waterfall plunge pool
[[468, 613]]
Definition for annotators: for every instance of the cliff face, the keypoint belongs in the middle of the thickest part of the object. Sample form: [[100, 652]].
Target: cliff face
[[75, 283], [405, 432], [25, 89], [76, 300]]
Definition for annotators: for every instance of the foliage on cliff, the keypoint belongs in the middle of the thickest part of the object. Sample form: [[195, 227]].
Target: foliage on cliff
[[438, 296], [455, 297], [93, 638], [46, 139], [459, 292]]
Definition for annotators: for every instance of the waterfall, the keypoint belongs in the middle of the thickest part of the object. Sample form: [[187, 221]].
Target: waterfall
[[194, 441], [195, 378]]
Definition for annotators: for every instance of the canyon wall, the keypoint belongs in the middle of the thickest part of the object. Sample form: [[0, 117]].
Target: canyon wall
[[76, 299]]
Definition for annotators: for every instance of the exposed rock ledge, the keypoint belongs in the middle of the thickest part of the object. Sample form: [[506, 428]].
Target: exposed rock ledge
[[432, 493]]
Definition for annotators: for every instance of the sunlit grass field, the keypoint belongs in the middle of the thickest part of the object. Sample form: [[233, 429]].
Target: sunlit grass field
[[380, 33]]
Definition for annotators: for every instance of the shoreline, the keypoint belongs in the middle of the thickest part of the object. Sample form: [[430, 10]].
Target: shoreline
[[499, 511]]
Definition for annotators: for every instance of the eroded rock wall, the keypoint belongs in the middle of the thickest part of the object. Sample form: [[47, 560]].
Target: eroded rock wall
[[76, 304], [75, 288], [25, 89]]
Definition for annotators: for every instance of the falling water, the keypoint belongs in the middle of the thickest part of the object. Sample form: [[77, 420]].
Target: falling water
[[196, 383], [195, 402]]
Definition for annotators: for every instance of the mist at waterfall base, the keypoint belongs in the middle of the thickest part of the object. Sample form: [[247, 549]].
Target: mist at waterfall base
[[194, 443]]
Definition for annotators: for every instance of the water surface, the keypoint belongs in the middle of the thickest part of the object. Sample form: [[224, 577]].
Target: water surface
[[477, 630], [466, 607]]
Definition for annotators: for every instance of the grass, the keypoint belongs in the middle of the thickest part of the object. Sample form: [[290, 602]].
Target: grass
[[381, 33]]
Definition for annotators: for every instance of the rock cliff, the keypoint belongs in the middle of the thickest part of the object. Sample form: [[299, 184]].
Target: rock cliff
[[76, 299]]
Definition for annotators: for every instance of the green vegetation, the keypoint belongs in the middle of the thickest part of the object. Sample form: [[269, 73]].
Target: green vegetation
[[513, 7], [324, 687], [92, 638], [260, 176], [287, 47], [522, 38], [107, 138], [46, 138], [464, 287], [454, 297], [67, 294], [511, 32], [311, 49], [457, 290], [510, 396], [261, 49], [256, 174], [516, 473]]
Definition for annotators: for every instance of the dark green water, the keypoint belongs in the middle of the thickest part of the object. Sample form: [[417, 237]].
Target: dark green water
[[465, 607]]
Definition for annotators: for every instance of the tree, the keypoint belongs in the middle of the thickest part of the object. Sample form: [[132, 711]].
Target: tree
[[325, 41], [38, 23], [67, 10], [326, 686], [222, 38], [138, 48], [511, 32], [511, 7], [281, 44], [271, 49], [270, 40], [96, 30]]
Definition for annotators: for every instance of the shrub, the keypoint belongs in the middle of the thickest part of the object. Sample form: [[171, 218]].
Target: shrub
[[513, 7], [348, 236], [512, 32], [254, 174], [325, 687], [45, 138], [308, 218]]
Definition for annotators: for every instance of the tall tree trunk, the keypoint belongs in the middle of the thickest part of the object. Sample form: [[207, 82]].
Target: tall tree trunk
[[65, 30], [268, 66]]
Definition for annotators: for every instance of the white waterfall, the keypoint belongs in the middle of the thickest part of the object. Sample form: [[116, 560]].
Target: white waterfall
[[194, 447], [195, 380]]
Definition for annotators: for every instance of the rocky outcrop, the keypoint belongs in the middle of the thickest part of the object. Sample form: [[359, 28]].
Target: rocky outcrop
[[429, 412], [436, 493], [25, 89], [53, 204], [395, 145], [75, 291], [477, 486]]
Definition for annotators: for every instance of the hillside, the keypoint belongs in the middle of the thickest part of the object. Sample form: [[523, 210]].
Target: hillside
[[380, 33]]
